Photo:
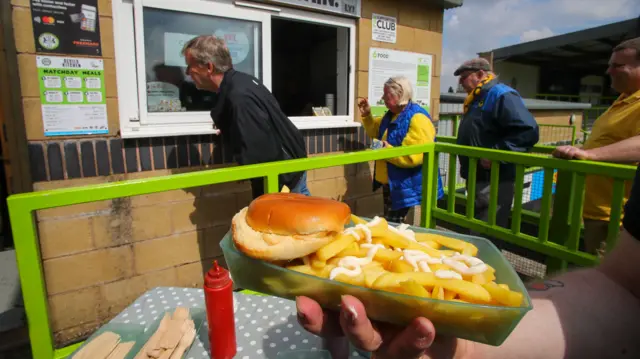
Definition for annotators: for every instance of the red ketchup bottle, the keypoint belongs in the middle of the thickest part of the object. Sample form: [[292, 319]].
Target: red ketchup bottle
[[218, 296]]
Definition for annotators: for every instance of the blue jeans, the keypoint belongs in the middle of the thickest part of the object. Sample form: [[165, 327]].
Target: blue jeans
[[257, 186], [301, 187]]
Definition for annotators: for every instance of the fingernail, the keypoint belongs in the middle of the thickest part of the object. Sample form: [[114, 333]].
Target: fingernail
[[302, 319], [350, 314]]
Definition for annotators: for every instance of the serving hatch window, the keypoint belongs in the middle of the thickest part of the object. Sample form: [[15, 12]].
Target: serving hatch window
[[305, 58], [169, 89]]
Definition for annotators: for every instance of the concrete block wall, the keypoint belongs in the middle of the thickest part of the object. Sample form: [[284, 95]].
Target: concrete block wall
[[98, 257], [419, 30]]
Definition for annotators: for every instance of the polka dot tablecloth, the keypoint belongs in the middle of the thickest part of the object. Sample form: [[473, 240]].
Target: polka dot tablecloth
[[265, 326]]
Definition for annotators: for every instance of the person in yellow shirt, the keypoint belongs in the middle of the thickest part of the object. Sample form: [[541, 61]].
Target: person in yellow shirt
[[405, 123], [615, 137]]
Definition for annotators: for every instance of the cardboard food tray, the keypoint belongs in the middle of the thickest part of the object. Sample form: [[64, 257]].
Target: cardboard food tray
[[480, 323]]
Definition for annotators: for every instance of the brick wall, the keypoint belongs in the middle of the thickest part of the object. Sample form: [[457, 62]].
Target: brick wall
[[98, 257]]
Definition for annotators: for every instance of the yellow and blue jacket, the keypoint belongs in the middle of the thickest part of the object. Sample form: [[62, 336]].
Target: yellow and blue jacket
[[403, 174]]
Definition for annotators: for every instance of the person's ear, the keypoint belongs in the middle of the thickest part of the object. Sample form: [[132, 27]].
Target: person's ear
[[211, 68]]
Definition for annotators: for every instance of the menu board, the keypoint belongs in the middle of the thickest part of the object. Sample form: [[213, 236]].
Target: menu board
[[73, 96], [384, 64]]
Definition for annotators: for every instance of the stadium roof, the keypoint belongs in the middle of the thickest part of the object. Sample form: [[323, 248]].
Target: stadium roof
[[586, 49]]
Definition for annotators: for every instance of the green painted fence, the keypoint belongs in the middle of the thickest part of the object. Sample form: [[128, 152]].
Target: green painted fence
[[561, 248]]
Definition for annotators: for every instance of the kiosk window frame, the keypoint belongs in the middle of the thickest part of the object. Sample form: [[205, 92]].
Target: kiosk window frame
[[136, 121]]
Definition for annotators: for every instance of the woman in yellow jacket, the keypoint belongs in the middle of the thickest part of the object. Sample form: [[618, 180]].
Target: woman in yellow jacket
[[405, 123]]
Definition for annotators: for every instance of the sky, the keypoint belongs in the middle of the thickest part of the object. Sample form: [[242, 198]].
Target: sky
[[483, 25]]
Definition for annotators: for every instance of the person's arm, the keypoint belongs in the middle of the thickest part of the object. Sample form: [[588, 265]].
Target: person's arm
[[371, 125], [625, 151], [589, 315], [519, 127], [421, 131], [258, 141]]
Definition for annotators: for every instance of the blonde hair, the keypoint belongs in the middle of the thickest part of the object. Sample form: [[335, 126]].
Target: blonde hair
[[400, 87], [207, 49]]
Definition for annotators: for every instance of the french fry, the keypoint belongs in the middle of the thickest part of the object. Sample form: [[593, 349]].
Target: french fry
[[400, 266], [410, 287], [352, 249], [334, 261], [482, 278], [449, 295], [447, 253], [357, 220], [317, 263], [432, 244], [380, 228], [421, 246], [438, 293], [396, 240], [439, 266], [425, 237], [305, 268], [470, 250], [387, 255], [456, 244], [371, 273], [335, 247], [393, 280], [462, 287], [308, 269], [504, 296], [355, 280], [326, 271], [388, 272]]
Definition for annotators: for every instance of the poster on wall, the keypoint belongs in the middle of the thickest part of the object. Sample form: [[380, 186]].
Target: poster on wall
[[383, 28], [73, 96], [237, 42], [66, 27], [384, 63]]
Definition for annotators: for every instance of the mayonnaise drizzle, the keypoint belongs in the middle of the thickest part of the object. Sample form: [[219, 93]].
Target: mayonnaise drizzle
[[366, 231], [352, 232], [374, 222], [457, 263], [419, 260], [352, 266], [403, 231], [447, 274]]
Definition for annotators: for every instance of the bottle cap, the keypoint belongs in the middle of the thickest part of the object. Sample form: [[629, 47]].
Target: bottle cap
[[217, 276]]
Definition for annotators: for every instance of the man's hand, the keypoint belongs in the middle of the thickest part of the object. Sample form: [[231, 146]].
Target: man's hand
[[571, 153], [485, 163], [384, 340]]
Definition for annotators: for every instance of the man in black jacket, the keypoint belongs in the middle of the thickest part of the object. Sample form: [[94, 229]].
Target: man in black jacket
[[253, 126]]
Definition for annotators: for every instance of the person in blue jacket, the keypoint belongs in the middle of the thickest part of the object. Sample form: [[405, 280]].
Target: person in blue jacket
[[405, 123], [494, 117]]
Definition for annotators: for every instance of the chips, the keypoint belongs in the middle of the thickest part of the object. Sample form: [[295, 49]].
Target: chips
[[378, 256]]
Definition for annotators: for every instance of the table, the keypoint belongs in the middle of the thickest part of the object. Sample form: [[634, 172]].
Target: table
[[265, 325]]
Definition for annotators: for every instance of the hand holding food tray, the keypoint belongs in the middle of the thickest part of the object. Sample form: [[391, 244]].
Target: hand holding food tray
[[289, 245]]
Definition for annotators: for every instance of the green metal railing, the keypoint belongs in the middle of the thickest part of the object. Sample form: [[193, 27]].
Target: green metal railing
[[558, 238], [550, 134]]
